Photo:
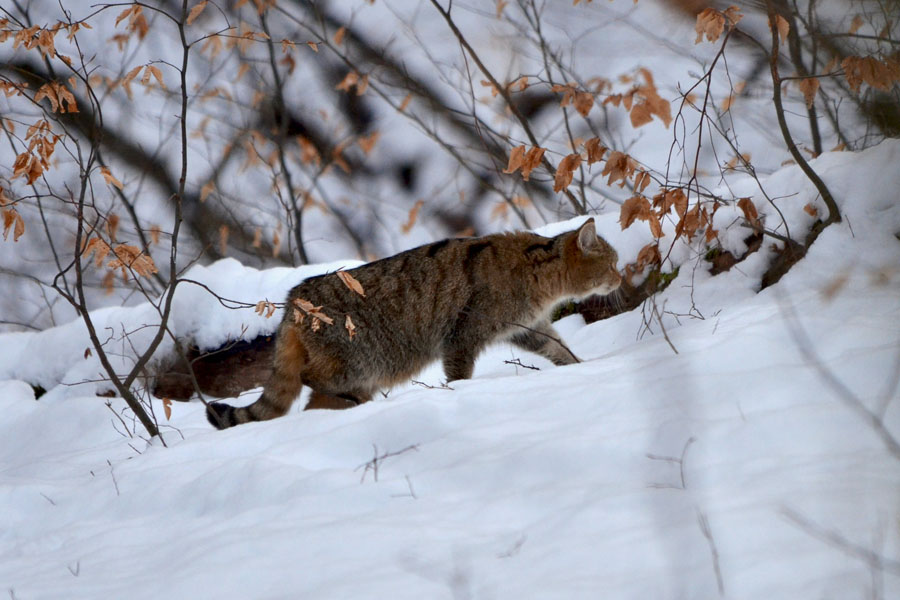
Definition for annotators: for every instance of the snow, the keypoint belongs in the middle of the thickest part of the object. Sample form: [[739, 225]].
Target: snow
[[639, 473]]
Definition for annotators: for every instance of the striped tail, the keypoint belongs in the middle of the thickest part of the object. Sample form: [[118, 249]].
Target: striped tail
[[284, 386]]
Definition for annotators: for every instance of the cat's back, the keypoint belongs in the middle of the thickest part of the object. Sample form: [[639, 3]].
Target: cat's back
[[425, 288]]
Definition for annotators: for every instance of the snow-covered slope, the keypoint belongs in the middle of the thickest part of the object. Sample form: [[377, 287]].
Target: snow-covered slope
[[734, 467]]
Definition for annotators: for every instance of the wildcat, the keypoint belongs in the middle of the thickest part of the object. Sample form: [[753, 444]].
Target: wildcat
[[446, 300]]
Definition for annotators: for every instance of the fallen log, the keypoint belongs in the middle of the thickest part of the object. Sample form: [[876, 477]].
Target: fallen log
[[221, 373]]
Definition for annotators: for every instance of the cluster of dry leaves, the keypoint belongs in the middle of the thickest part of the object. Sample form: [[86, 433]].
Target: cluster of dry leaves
[[642, 101], [12, 220], [881, 73], [32, 163], [618, 168], [711, 23], [302, 308], [125, 258]]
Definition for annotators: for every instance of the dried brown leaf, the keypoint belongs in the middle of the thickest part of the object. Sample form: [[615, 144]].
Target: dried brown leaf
[[565, 171], [488, 84], [710, 23], [726, 104], [568, 92], [128, 256], [783, 27], [648, 255], [313, 311], [195, 12], [689, 224], [362, 86], [276, 244], [679, 200], [595, 150], [734, 16], [584, 101], [645, 181], [223, 239], [532, 160], [29, 166], [125, 14], [12, 220], [880, 74], [809, 86], [47, 91], [207, 189], [749, 209], [350, 327], [112, 226], [108, 283], [349, 80], [516, 159], [351, 283], [110, 178], [413, 215], [636, 207], [619, 166], [640, 115], [655, 226], [157, 74], [366, 143]]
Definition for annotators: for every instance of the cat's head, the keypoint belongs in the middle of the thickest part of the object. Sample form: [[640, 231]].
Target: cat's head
[[590, 263]]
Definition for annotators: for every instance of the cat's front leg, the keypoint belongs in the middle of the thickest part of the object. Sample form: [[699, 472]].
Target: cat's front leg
[[542, 339]]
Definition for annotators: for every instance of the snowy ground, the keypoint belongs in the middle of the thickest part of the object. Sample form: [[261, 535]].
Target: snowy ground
[[731, 468]]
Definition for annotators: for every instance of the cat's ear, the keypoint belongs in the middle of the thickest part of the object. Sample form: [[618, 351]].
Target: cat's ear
[[587, 236]]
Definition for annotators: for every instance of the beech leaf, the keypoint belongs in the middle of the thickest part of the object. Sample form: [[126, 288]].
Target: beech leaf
[[413, 215], [565, 171], [783, 27], [655, 226], [747, 207], [636, 207], [110, 178], [809, 87], [313, 311], [532, 160], [710, 23], [351, 283], [595, 150], [350, 327], [195, 12], [12, 220], [516, 159]]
